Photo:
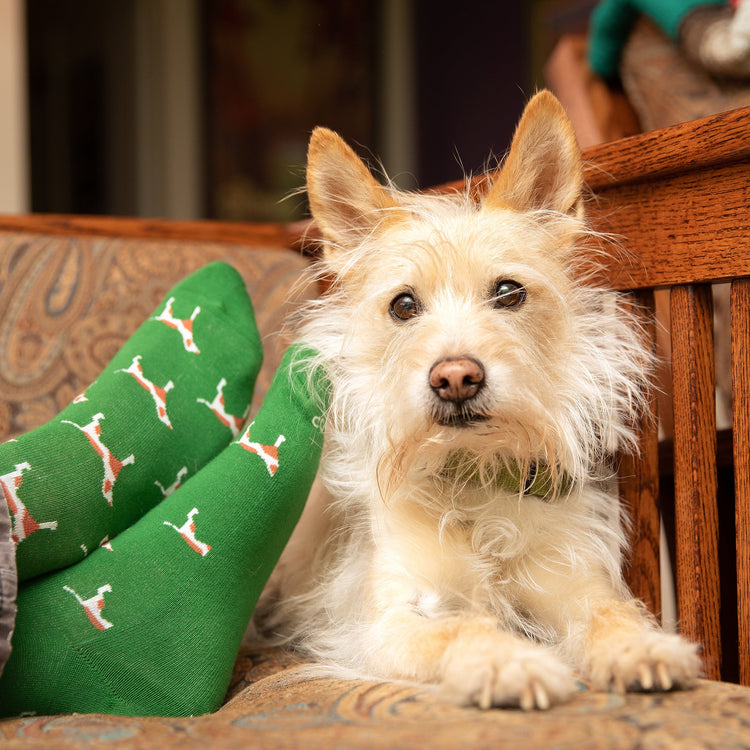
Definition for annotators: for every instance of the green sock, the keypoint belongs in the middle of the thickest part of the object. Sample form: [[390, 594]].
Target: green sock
[[152, 626], [170, 400]]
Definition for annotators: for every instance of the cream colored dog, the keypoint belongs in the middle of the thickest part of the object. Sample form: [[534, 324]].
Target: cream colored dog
[[463, 531]]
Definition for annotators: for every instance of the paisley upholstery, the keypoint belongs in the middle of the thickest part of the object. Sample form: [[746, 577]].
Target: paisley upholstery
[[67, 304]]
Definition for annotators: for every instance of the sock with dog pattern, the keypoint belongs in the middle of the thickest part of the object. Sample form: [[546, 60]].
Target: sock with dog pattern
[[152, 625], [171, 399]]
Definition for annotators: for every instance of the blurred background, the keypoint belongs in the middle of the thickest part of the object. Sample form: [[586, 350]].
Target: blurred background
[[203, 108]]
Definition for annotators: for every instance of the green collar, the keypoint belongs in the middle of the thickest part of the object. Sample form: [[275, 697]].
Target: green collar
[[540, 481]]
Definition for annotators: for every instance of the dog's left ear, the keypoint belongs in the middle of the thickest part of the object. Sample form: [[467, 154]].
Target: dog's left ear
[[543, 169]]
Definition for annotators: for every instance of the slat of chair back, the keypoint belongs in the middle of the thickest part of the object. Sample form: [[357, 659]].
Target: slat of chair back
[[696, 514], [740, 337], [639, 483]]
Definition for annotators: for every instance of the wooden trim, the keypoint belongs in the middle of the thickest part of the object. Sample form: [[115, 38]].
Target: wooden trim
[[670, 194], [667, 225], [695, 477], [740, 329], [639, 486], [687, 147], [293, 235]]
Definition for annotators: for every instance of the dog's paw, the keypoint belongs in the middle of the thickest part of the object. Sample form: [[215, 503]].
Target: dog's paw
[[506, 671], [650, 660]]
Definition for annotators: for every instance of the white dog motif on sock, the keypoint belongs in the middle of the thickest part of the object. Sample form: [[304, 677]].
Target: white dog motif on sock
[[183, 327], [218, 407], [158, 394], [112, 464], [94, 606], [187, 532], [23, 523], [269, 453]]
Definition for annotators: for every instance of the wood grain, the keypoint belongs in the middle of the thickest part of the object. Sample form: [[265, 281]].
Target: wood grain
[[740, 328], [291, 235], [639, 484], [696, 517], [678, 198], [693, 146], [686, 228]]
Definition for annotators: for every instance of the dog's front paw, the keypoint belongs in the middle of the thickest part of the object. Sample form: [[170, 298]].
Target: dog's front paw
[[504, 671], [650, 660]]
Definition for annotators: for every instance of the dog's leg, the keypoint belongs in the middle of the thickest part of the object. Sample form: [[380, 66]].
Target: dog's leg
[[611, 639], [473, 661]]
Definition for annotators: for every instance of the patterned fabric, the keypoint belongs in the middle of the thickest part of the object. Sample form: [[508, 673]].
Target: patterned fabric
[[272, 704], [68, 304]]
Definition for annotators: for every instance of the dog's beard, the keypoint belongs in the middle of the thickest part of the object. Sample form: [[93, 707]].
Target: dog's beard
[[462, 417]]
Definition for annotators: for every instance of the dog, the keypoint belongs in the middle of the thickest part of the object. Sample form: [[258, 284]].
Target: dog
[[464, 531]]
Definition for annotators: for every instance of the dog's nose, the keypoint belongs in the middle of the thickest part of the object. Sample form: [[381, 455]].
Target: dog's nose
[[457, 380]]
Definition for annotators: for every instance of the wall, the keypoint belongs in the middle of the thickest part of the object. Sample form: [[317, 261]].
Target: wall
[[14, 178]]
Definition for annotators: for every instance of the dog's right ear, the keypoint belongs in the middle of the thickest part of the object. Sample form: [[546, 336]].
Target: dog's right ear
[[544, 168], [346, 201]]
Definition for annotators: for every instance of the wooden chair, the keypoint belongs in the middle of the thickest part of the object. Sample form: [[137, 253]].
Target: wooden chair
[[679, 198]]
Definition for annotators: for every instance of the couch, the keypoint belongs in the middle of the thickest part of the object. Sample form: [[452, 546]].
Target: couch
[[72, 289]]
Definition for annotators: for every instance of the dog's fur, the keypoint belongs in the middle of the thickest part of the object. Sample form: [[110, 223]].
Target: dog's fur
[[412, 560]]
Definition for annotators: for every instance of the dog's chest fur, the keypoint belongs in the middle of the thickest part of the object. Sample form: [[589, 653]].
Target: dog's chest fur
[[468, 549]]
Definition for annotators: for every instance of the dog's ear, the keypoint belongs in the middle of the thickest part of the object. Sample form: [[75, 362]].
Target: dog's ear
[[346, 201], [543, 169]]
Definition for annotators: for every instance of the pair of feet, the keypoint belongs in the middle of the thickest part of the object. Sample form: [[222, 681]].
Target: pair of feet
[[147, 517]]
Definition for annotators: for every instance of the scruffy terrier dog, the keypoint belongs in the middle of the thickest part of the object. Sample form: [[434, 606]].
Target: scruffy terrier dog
[[464, 531]]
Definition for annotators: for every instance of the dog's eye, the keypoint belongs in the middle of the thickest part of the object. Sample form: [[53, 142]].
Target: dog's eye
[[404, 307], [508, 294]]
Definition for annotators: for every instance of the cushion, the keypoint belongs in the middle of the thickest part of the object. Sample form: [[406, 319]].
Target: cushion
[[67, 304], [274, 702]]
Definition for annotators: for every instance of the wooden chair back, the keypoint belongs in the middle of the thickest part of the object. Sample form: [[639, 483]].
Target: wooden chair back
[[679, 199]]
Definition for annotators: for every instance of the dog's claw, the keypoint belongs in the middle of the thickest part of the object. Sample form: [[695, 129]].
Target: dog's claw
[[618, 685], [541, 697], [534, 696], [485, 698], [662, 674], [526, 699], [645, 676]]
